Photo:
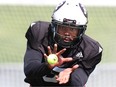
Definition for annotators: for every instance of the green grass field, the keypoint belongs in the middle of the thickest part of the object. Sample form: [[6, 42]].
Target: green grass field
[[14, 21]]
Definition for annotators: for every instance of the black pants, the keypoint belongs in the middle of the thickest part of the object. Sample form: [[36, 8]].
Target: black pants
[[77, 79]]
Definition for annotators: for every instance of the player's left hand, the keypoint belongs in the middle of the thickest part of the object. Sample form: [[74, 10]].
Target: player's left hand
[[64, 75]]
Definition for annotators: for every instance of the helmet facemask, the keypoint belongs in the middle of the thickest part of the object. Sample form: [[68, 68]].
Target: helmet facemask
[[67, 41]]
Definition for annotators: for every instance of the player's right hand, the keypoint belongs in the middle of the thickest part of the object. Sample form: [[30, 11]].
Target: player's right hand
[[61, 60]]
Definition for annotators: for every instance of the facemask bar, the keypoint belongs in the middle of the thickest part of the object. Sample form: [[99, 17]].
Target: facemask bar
[[71, 23]]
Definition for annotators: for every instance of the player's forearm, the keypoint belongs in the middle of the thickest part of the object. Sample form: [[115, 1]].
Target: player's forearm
[[36, 69], [33, 65]]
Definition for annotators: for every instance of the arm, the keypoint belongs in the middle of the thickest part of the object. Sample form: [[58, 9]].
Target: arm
[[33, 63], [89, 65], [63, 76]]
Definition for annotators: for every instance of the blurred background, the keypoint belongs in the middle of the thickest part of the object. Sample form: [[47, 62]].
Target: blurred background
[[15, 18]]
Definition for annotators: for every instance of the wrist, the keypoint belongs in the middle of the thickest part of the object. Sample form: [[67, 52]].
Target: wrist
[[69, 70]]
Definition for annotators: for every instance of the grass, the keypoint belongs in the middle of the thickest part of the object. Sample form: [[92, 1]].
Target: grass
[[14, 22]]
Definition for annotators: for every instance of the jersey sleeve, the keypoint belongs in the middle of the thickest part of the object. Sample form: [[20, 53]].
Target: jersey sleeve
[[36, 34], [92, 54], [34, 66]]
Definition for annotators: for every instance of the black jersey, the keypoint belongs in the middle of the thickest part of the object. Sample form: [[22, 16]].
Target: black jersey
[[87, 54]]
